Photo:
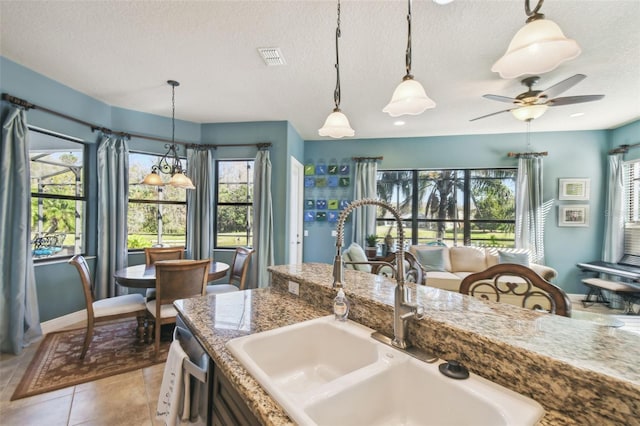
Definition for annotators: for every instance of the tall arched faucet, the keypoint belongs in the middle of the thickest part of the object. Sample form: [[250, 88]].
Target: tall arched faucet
[[403, 309]]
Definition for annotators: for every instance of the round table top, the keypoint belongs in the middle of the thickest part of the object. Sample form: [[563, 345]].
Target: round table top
[[143, 276]]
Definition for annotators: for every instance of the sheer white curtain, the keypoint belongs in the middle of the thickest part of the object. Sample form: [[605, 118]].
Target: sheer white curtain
[[613, 247], [19, 315], [113, 198], [200, 204], [364, 218], [530, 210], [262, 219]]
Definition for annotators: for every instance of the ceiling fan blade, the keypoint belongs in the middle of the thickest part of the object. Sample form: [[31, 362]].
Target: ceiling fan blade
[[563, 86], [568, 100], [489, 115], [500, 98]]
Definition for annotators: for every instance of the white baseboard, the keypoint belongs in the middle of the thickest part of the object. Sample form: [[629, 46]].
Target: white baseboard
[[63, 321]]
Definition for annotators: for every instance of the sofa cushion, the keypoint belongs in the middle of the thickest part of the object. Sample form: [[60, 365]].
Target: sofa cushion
[[444, 250], [467, 259], [431, 260], [357, 254], [493, 255], [510, 257], [443, 280]]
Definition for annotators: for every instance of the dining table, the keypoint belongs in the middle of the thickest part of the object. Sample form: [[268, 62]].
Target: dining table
[[144, 276]]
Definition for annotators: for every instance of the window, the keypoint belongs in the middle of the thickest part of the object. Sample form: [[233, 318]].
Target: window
[[234, 203], [632, 214], [57, 195], [470, 207], [157, 214]]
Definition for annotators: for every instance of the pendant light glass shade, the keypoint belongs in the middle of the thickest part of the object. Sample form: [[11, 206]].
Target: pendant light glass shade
[[153, 178], [181, 181], [538, 47], [336, 126], [529, 112], [408, 98]]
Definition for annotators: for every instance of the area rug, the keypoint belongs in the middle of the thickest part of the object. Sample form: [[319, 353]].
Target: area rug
[[115, 349]]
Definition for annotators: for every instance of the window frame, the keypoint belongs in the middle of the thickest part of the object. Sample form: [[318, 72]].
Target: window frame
[[414, 222], [82, 198], [157, 202], [249, 235]]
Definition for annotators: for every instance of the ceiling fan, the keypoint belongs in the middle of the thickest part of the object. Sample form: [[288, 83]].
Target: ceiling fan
[[533, 103]]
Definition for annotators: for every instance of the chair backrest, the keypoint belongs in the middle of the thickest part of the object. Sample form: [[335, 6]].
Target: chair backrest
[[180, 279], [87, 284], [518, 285], [240, 266], [413, 271], [154, 254]]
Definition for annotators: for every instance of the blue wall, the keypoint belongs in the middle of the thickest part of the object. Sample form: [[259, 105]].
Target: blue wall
[[571, 154]]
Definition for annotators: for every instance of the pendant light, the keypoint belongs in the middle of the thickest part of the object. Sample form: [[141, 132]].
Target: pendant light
[[170, 162], [337, 124], [409, 97], [538, 47]]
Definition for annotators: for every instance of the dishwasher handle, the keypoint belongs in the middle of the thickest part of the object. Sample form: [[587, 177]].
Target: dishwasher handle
[[192, 369]]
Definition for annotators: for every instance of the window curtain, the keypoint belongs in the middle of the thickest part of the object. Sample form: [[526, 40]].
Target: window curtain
[[262, 219], [113, 196], [19, 315], [200, 204], [613, 247], [530, 210], [364, 218]]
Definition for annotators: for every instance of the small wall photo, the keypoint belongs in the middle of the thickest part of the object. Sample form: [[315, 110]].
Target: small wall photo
[[573, 189], [573, 215]]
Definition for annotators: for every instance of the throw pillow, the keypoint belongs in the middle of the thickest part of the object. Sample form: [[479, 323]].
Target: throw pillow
[[431, 260], [517, 258], [357, 254]]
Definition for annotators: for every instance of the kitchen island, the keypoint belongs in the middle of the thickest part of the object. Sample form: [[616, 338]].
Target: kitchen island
[[582, 373]]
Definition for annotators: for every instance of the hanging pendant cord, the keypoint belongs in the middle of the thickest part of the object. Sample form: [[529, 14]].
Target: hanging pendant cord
[[533, 14], [336, 93], [408, 53]]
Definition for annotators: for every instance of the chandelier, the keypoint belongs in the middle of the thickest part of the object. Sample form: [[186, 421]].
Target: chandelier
[[170, 163]]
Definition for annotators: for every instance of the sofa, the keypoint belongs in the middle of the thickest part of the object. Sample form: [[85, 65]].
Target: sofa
[[446, 267]]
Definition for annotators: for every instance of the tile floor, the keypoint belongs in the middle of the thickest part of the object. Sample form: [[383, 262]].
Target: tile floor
[[127, 399]]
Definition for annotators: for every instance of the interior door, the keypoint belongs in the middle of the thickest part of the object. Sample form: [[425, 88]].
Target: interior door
[[296, 208]]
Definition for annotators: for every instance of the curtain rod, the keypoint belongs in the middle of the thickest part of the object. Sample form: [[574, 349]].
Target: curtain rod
[[623, 149], [527, 154], [366, 158], [28, 105]]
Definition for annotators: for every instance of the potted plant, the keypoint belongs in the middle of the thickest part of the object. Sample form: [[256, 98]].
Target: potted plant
[[372, 247]]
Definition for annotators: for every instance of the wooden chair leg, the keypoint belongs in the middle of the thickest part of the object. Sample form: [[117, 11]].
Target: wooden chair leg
[[151, 326], [141, 328], [87, 339], [156, 343]]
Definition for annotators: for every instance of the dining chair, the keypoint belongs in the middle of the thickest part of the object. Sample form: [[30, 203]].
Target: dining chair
[[238, 273], [112, 308], [175, 279], [154, 254], [517, 285]]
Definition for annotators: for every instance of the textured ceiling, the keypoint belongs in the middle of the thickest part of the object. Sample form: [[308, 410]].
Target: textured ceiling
[[122, 53]]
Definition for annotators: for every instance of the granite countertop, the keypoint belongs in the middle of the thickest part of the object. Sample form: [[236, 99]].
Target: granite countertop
[[565, 364]]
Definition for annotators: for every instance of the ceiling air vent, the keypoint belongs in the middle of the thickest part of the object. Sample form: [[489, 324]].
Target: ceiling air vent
[[271, 56]]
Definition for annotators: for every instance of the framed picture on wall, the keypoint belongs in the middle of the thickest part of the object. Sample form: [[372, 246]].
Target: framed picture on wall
[[573, 215], [574, 189]]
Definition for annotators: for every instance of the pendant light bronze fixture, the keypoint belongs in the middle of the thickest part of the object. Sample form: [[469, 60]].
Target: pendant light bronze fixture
[[409, 97], [337, 124], [170, 163]]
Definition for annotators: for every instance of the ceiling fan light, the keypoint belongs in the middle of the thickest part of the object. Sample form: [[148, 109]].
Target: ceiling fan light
[[181, 181], [408, 98], [538, 47], [529, 112], [336, 126], [152, 178]]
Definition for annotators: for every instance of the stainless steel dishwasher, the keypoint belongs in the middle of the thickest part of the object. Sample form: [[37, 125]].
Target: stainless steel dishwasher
[[198, 366]]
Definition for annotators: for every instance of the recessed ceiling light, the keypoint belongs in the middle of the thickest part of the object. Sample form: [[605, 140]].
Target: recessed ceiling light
[[271, 56], [398, 123], [577, 114]]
